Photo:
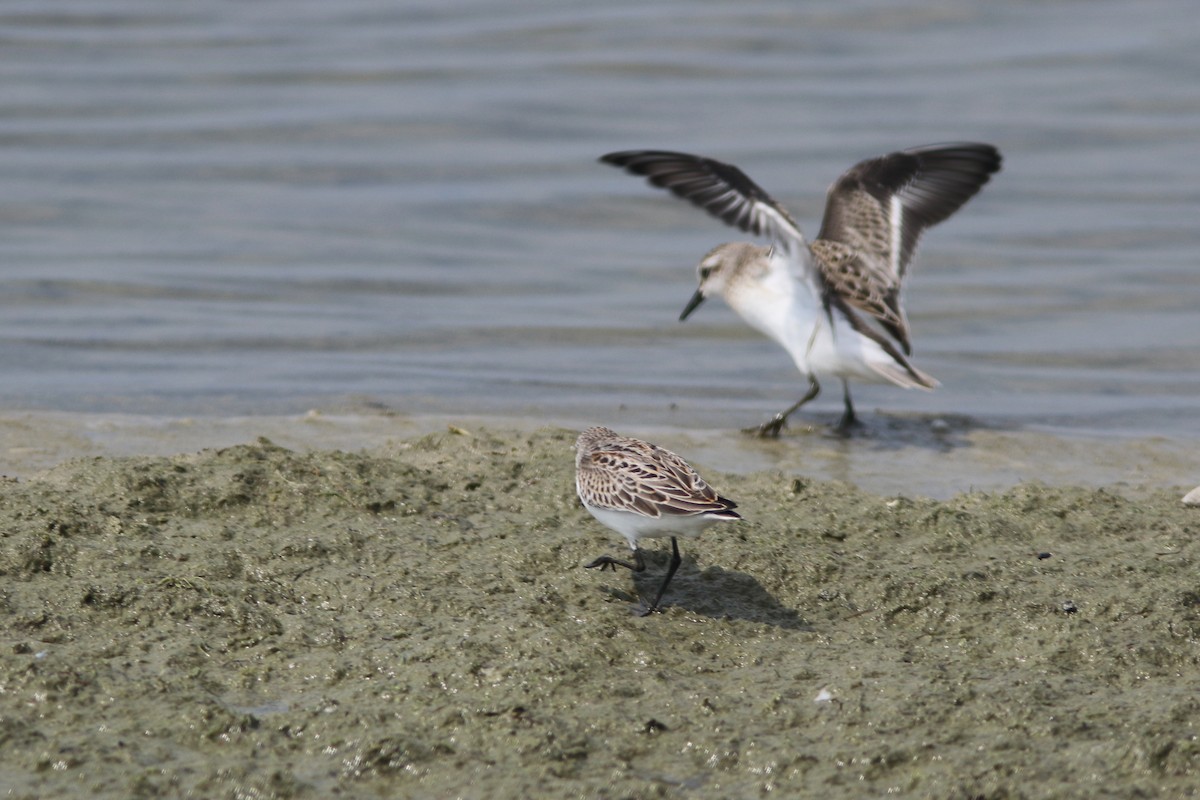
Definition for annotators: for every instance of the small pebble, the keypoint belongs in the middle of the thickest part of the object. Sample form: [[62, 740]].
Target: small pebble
[[1068, 607], [1043, 556]]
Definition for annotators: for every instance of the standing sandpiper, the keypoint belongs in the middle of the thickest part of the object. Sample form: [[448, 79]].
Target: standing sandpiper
[[642, 491]]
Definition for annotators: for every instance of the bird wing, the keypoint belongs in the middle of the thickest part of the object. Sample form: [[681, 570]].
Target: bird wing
[[876, 212], [653, 483], [721, 189]]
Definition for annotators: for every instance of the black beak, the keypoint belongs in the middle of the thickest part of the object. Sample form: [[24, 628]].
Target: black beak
[[696, 300]]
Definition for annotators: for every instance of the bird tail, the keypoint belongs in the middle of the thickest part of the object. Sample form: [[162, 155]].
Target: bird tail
[[904, 374]]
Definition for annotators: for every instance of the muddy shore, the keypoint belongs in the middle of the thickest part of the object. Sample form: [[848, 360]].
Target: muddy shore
[[413, 620]]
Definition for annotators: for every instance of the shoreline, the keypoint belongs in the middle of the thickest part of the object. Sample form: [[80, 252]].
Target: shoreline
[[935, 456]]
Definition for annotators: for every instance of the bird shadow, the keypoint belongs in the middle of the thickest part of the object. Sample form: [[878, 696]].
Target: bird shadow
[[713, 592], [896, 431]]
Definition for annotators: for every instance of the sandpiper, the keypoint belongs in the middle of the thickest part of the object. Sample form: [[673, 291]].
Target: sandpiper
[[834, 303], [642, 491]]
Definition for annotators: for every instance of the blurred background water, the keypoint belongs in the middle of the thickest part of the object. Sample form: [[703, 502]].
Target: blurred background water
[[257, 208]]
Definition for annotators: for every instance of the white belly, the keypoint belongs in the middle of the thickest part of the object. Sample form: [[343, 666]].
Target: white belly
[[635, 526], [839, 351], [791, 313]]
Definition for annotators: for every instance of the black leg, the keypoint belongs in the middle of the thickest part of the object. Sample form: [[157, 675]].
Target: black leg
[[674, 565], [605, 562], [771, 428], [849, 418]]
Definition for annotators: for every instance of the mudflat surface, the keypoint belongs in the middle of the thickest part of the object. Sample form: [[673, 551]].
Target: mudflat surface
[[414, 620]]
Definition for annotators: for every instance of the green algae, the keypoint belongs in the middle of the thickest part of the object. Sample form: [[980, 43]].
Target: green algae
[[415, 621]]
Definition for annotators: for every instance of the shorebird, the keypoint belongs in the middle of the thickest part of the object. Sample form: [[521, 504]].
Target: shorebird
[[643, 491], [834, 303]]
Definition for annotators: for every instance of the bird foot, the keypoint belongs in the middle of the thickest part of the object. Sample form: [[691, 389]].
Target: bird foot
[[608, 562], [769, 429], [847, 425], [643, 610]]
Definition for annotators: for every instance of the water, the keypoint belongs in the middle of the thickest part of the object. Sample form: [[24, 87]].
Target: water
[[257, 208]]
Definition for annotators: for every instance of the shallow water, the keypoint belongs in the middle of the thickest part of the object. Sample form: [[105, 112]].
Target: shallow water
[[217, 208]]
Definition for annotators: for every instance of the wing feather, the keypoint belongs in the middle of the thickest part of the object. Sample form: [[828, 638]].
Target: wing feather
[[649, 480], [876, 212], [721, 189]]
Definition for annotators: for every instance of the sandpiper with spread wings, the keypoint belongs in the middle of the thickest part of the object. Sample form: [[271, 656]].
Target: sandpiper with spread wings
[[641, 491], [834, 303]]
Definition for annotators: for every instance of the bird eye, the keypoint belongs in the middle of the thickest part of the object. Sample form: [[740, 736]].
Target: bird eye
[[704, 273]]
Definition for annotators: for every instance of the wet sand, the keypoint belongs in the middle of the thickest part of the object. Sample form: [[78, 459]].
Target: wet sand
[[413, 620]]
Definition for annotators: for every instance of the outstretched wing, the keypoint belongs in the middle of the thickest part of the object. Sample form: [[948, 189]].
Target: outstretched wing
[[875, 214], [721, 189]]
